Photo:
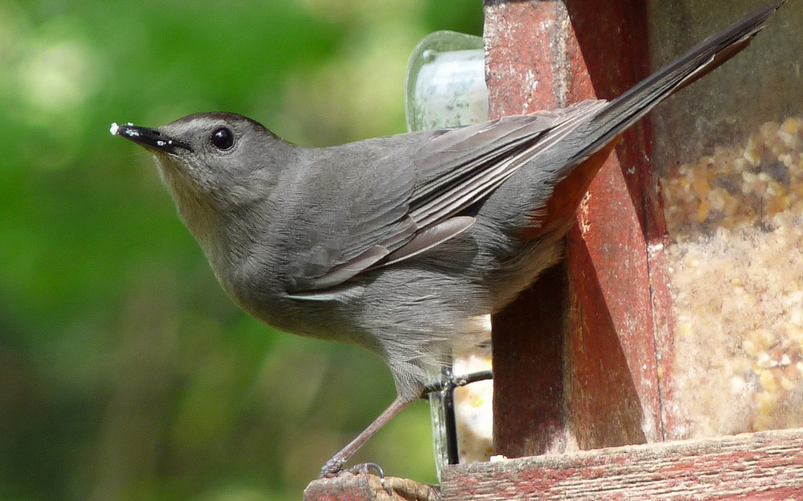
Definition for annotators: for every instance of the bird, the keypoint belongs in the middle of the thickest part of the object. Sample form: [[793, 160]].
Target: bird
[[399, 244]]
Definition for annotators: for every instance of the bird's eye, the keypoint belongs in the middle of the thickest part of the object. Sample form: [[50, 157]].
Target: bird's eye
[[222, 138]]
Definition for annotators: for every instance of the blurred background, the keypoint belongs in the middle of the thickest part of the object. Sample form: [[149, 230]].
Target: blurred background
[[125, 372]]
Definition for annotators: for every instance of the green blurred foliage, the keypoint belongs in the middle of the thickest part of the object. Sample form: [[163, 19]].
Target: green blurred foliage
[[125, 372]]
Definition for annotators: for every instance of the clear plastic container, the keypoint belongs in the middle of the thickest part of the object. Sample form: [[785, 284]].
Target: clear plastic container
[[446, 88], [729, 154]]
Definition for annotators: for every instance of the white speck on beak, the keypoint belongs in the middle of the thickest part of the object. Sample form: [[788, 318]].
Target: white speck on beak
[[114, 128]]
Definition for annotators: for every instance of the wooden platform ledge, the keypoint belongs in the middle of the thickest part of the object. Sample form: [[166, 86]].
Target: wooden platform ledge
[[756, 466]]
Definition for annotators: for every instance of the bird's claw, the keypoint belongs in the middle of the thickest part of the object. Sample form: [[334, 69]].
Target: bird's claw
[[334, 469]]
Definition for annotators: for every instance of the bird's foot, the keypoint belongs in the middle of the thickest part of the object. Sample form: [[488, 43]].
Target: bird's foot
[[334, 469]]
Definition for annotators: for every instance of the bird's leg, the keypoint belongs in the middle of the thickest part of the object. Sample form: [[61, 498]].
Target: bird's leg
[[335, 465]]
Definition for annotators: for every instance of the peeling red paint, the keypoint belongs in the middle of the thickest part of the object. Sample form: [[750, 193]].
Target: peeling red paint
[[609, 389]]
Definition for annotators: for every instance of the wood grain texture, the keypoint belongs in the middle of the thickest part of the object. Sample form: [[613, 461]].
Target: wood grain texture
[[544, 55], [365, 487], [758, 466]]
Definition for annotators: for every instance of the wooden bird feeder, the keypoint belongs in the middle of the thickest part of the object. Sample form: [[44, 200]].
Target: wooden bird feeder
[[584, 362]]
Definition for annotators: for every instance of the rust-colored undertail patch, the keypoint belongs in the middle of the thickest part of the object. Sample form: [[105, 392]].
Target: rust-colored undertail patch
[[566, 196]]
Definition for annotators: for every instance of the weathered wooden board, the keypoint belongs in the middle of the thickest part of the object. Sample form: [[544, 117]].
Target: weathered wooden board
[[758, 466]]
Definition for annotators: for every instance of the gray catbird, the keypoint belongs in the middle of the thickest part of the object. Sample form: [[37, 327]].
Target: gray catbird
[[398, 244]]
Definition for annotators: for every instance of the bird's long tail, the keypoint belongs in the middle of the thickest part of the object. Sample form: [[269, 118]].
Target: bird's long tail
[[706, 56]]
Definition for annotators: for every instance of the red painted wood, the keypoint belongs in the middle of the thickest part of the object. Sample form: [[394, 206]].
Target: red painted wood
[[523, 76], [607, 251], [518, 47], [539, 412], [541, 55], [759, 466]]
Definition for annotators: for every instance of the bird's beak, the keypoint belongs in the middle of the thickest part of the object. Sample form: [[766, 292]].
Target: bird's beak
[[147, 137]]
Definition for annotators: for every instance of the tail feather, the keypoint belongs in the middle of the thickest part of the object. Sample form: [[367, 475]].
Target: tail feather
[[625, 110]]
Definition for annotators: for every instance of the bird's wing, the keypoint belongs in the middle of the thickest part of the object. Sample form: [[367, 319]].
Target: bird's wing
[[406, 194], [463, 165]]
